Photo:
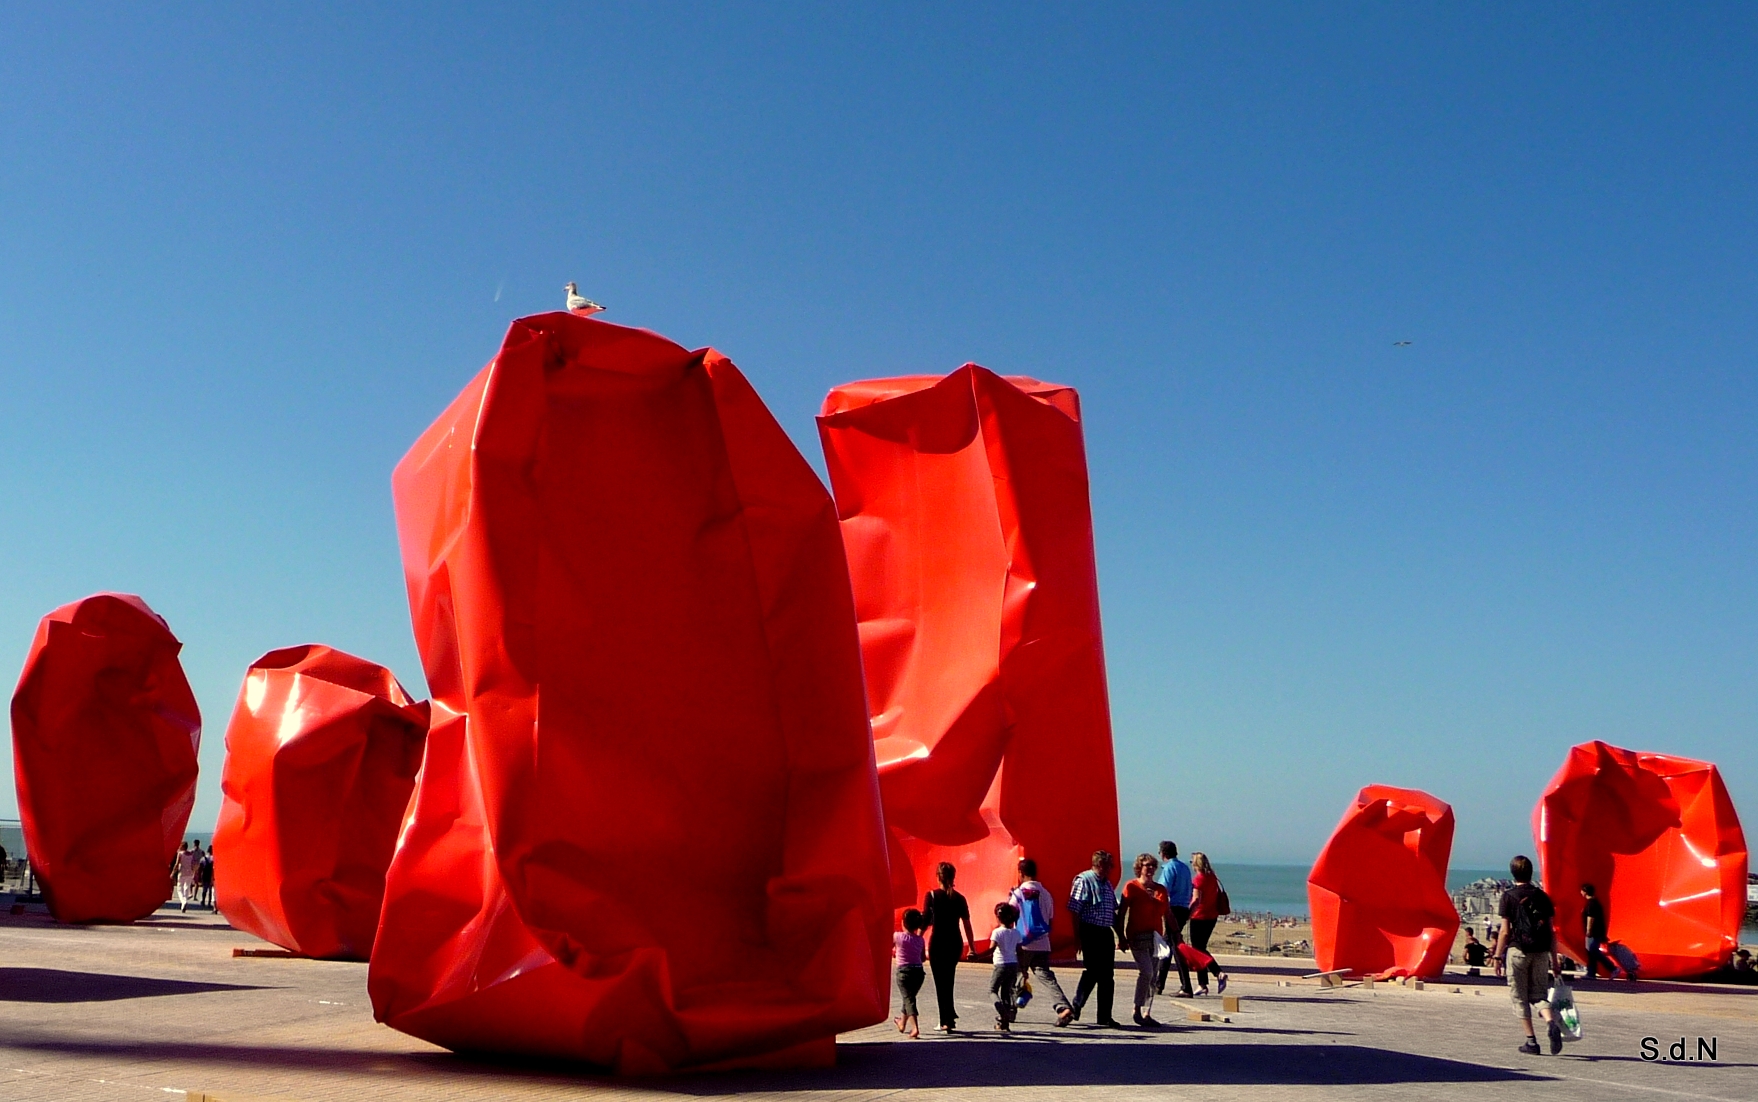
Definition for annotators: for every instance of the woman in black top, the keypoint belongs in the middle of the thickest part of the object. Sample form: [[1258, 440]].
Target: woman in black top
[[946, 911]]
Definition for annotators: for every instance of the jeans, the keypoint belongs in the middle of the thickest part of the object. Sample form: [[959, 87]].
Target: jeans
[[1001, 984], [1036, 963], [1200, 931], [1098, 953], [1596, 956], [909, 982]]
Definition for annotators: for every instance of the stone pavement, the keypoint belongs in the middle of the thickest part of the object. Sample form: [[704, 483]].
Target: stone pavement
[[137, 1014]]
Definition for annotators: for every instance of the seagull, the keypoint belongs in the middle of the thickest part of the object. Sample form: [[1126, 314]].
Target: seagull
[[580, 304], [1395, 344]]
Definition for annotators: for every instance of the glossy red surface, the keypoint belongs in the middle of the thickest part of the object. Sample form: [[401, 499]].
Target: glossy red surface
[[104, 739], [1657, 837], [321, 757], [1378, 891], [964, 509], [647, 833]]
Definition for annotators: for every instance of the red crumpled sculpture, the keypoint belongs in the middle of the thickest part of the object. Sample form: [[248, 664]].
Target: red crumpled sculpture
[[104, 739], [964, 510], [321, 757], [1378, 891], [1658, 838], [647, 833]]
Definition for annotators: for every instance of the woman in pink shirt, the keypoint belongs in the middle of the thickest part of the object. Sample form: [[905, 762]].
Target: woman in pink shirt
[[1205, 899]]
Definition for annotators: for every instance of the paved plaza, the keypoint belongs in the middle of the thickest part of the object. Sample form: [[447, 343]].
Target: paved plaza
[[140, 1013]]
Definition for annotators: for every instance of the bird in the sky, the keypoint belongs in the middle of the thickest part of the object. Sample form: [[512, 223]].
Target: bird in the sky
[[1395, 344], [580, 304]]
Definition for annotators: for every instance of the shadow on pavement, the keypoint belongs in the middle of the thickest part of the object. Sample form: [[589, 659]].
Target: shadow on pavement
[[53, 985], [1015, 1061]]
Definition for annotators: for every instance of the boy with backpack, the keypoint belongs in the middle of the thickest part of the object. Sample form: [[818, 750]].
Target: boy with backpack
[[1036, 909], [1524, 945]]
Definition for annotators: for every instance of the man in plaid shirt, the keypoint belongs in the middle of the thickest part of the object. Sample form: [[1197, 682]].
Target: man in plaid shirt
[[1093, 903]]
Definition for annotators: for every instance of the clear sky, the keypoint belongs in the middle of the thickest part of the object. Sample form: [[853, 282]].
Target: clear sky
[[246, 255]]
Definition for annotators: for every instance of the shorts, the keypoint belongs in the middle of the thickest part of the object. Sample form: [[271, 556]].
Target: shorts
[[1528, 980]]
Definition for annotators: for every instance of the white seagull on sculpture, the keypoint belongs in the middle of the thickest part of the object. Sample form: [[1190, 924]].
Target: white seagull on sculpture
[[580, 304]]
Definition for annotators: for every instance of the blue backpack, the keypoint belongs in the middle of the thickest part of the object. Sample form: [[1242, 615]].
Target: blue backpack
[[1032, 924]]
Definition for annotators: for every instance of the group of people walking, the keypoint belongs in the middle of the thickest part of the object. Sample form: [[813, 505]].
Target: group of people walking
[[192, 876], [1147, 919]]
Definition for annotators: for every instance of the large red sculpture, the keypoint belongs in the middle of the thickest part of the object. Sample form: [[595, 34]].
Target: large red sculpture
[[1378, 891], [104, 739], [647, 833], [321, 757], [1658, 838], [964, 510]]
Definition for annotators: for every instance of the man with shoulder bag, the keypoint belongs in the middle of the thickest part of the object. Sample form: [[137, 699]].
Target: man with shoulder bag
[[1524, 946]]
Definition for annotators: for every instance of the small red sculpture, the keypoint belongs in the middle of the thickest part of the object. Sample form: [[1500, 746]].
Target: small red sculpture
[[321, 757], [1378, 891], [647, 832], [104, 739], [1657, 837], [964, 509]]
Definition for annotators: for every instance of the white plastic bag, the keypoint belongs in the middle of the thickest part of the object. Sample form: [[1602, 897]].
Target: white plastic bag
[[1162, 951], [1563, 1009]]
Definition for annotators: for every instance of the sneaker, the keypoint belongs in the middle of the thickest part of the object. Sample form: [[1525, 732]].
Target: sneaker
[[1220, 985], [1201, 992], [1556, 1038], [1530, 1048]]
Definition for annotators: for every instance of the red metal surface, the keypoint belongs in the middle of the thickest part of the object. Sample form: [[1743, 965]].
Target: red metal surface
[[647, 833], [321, 757], [1658, 838], [104, 739], [964, 509], [1378, 891]]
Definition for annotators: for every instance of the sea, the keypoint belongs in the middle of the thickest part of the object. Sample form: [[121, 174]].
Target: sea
[[1281, 889]]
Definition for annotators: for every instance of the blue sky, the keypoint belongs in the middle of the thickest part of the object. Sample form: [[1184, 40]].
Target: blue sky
[[246, 255]]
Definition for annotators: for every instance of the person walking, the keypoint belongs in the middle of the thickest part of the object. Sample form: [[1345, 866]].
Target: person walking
[[1004, 950], [1093, 903], [1524, 945], [907, 951], [185, 869], [1174, 876], [204, 874], [1141, 915], [1036, 912], [1593, 932], [1205, 909], [947, 912]]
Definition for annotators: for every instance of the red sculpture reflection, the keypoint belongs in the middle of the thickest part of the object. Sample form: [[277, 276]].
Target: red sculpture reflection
[[321, 757], [1378, 891], [964, 509], [104, 739], [647, 833], [1658, 838]]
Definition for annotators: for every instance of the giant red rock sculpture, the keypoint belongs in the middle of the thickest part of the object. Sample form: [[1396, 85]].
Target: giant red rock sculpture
[[104, 739], [964, 509], [1378, 891], [1657, 837], [647, 832], [321, 757]]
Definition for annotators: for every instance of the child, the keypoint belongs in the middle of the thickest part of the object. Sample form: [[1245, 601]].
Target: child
[[1005, 940], [907, 950]]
